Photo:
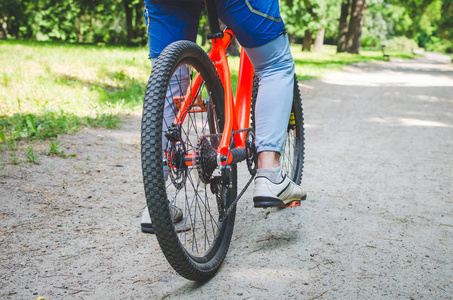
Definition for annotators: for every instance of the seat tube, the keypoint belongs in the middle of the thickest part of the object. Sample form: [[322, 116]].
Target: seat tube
[[219, 58], [243, 98]]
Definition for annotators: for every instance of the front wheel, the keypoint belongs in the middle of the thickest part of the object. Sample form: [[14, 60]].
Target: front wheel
[[179, 161]]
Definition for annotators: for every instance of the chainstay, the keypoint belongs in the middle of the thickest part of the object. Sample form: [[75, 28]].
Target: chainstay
[[241, 130]]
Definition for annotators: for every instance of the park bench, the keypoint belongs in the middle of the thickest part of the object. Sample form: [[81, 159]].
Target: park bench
[[386, 56]]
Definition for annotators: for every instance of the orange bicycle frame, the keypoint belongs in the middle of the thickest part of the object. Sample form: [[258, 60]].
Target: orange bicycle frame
[[237, 111]]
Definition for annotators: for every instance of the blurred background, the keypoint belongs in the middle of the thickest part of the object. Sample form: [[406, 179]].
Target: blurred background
[[401, 25]]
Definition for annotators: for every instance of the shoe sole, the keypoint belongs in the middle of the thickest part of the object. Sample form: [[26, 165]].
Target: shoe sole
[[266, 202], [147, 228]]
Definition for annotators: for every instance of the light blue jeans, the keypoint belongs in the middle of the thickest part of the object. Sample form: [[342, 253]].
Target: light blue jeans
[[274, 66]]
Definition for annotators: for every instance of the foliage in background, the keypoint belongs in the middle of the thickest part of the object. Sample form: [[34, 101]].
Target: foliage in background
[[401, 44], [308, 19], [75, 21], [427, 21], [120, 22]]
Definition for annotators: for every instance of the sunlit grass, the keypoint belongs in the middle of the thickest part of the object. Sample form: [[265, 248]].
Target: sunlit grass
[[47, 89], [84, 80]]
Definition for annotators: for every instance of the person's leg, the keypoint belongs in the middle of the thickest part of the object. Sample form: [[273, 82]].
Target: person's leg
[[275, 69], [178, 85], [168, 23]]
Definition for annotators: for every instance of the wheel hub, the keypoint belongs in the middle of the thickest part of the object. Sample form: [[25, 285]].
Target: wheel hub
[[176, 164]]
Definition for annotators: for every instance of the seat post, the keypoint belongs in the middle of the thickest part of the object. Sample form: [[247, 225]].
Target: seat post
[[213, 20]]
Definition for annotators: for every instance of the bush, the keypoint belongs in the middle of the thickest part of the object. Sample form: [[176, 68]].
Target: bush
[[439, 45], [401, 43]]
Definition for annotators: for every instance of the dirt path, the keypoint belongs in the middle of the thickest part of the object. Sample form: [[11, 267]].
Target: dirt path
[[378, 222]]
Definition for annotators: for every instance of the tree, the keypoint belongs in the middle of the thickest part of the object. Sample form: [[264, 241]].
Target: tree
[[92, 21], [11, 17], [134, 21], [414, 11], [308, 18], [446, 22], [430, 22], [354, 34], [375, 29], [350, 40], [343, 28], [319, 40]]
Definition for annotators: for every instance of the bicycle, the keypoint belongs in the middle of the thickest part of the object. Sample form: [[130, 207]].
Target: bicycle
[[190, 155]]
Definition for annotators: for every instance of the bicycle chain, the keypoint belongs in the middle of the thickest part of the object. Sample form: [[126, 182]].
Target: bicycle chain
[[252, 173], [231, 207]]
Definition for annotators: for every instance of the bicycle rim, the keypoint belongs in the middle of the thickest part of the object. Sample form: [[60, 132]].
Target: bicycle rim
[[292, 155]]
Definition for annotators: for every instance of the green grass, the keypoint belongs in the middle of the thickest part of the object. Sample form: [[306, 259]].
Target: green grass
[[56, 150], [46, 125], [47, 89], [73, 78]]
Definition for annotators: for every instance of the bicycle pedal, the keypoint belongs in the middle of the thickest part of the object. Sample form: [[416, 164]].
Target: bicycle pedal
[[291, 204]]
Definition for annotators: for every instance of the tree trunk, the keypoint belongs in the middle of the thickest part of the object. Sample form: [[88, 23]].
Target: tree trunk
[[204, 35], [139, 37], [354, 37], [129, 27], [319, 40], [4, 29], [343, 28], [79, 29], [90, 32], [308, 40]]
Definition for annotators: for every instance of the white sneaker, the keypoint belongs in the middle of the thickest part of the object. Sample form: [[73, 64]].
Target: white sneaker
[[147, 224], [269, 194]]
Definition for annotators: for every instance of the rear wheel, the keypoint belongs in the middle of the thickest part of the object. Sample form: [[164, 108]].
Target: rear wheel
[[196, 246]]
